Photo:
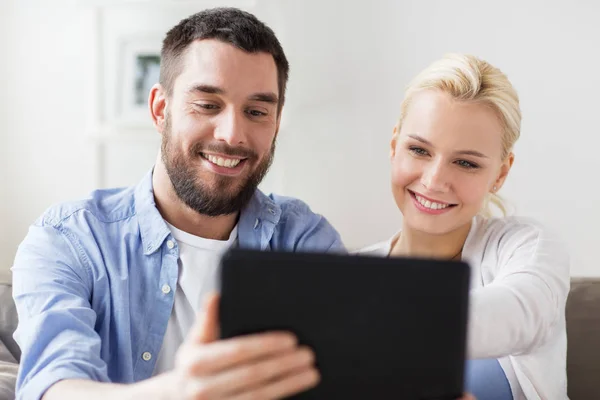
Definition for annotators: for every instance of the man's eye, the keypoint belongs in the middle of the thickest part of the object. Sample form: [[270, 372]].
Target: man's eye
[[256, 113], [207, 106]]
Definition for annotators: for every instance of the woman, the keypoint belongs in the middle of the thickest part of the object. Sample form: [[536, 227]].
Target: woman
[[451, 152]]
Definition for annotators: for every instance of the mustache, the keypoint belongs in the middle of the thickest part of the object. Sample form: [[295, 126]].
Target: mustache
[[223, 148]]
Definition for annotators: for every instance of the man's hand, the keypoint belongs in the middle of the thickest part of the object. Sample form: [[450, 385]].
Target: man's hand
[[262, 366]]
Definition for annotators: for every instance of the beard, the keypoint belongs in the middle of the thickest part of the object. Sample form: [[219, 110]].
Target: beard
[[228, 195]]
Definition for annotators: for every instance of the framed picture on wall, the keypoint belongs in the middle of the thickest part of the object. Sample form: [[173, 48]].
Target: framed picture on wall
[[139, 69]]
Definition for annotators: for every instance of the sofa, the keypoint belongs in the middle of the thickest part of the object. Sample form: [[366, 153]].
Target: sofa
[[583, 330]]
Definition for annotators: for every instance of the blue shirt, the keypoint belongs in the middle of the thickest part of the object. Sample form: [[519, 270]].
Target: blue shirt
[[88, 276]]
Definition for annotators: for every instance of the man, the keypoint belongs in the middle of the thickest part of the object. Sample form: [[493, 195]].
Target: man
[[107, 289]]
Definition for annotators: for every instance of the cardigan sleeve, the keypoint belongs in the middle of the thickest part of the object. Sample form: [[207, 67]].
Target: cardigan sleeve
[[526, 298]]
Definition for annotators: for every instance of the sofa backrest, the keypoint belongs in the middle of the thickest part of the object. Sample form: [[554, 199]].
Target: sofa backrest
[[583, 335], [8, 320]]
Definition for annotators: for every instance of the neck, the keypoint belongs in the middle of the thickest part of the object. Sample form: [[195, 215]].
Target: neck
[[182, 217], [412, 242]]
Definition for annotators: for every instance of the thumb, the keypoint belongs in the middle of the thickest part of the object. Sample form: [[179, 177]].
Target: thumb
[[206, 328]]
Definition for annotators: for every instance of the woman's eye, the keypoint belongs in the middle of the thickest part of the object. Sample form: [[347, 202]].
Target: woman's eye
[[467, 164], [418, 151]]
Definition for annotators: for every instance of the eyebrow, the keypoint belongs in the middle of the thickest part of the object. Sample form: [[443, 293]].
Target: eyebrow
[[266, 97], [206, 89], [473, 153]]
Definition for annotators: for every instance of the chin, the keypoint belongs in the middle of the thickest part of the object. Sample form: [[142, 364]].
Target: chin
[[431, 229], [432, 225]]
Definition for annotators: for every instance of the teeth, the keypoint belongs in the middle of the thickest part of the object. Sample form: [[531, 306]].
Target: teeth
[[430, 204], [222, 162]]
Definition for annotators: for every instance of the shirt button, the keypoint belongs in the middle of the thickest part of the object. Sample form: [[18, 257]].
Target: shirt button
[[146, 356], [166, 289], [170, 244]]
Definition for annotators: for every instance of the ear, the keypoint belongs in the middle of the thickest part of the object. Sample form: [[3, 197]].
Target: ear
[[504, 170], [394, 142], [157, 103]]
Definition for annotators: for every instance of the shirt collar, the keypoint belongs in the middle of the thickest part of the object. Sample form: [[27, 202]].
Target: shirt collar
[[257, 221], [256, 225], [153, 228]]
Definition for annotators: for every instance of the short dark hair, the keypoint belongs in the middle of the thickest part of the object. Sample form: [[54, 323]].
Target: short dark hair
[[229, 25]]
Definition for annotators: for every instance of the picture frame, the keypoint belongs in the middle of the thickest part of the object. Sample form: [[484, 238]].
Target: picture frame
[[138, 70]]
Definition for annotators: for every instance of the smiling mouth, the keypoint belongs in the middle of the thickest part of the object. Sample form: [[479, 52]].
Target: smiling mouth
[[221, 161], [430, 204]]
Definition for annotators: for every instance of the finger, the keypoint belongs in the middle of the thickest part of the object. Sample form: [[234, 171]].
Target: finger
[[228, 353], [255, 374], [206, 327], [209, 331], [282, 388]]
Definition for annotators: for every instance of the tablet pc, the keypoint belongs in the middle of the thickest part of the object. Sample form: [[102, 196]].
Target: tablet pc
[[381, 328]]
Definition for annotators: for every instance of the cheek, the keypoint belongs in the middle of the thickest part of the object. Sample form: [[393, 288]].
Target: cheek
[[188, 131], [264, 144], [471, 190], [189, 124], [179, 123], [261, 140], [404, 172]]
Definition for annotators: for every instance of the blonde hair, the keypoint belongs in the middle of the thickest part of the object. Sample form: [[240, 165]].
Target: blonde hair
[[468, 78]]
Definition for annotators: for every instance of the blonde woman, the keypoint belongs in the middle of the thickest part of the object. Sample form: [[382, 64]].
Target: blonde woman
[[451, 152]]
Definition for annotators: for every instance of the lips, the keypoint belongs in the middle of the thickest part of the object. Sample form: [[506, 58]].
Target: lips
[[430, 204], [222, 161]]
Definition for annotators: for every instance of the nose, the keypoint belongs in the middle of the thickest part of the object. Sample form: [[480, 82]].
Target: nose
[[436, 177], [230, 128]]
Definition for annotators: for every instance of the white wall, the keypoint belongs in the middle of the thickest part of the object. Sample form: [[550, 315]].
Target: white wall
[[47, 158], [349, 65], [4, 230]]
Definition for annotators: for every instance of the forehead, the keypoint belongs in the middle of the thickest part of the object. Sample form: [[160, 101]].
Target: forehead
[[213, 62], [450, 123]]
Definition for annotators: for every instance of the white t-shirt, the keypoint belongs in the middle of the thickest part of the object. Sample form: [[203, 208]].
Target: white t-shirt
[[198, 266], [520, 279]]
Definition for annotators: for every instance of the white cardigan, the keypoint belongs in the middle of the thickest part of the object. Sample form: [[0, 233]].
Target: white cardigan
[[520, 279]]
